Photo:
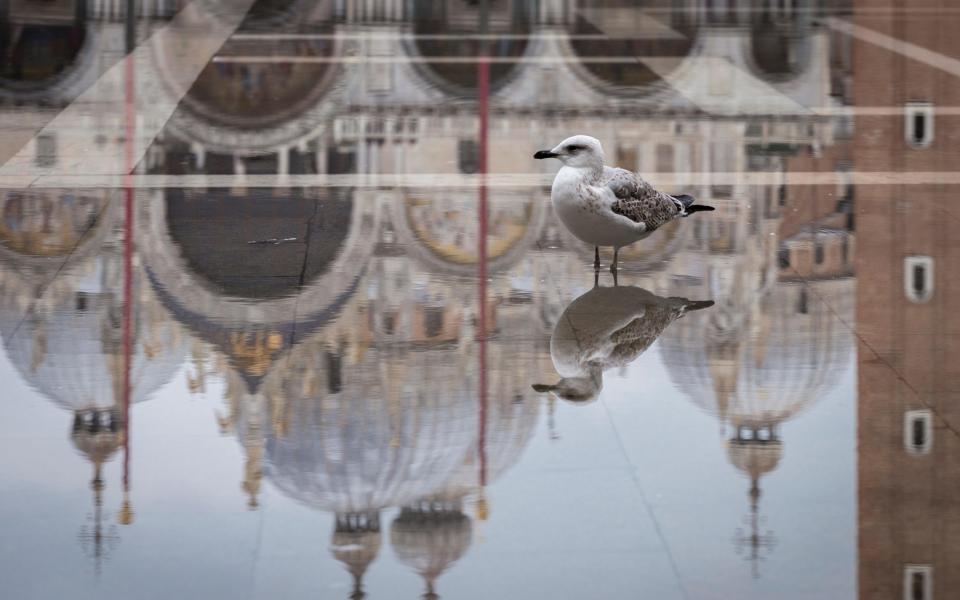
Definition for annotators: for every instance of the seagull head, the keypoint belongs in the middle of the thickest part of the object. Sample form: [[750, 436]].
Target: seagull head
[[579, 151], [575, 390]]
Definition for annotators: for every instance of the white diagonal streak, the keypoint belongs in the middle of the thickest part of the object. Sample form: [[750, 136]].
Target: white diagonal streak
[[90, 134]]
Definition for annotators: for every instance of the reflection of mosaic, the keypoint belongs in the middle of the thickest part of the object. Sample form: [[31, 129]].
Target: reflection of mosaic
[[43, 224], [256, 94], [449, 227]]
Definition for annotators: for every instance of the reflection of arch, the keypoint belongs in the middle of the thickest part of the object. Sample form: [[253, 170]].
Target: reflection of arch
[[40, 229], [343, 264], [234, 267], [252, 107], [670, 40], [40, 60], [435, 25], [261, 95], [440, 228]]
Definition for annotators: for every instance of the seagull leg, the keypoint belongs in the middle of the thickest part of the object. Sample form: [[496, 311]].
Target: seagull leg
[[613, 265], [596, 258]]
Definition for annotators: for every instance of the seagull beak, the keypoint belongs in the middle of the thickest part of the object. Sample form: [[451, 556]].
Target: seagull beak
[[545, 154]]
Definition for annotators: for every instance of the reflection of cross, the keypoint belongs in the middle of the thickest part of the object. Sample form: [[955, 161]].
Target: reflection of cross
[[756, 541], [93, 539], [551, 418]]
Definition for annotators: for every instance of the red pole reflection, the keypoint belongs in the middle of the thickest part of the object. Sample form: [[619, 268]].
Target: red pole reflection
[[130, 126], [483, 89]]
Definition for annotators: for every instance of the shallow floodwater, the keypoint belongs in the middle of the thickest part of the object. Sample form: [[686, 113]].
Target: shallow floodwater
[[286, 311]]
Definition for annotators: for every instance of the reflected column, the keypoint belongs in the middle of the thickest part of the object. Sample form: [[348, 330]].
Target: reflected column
[[483, 92]]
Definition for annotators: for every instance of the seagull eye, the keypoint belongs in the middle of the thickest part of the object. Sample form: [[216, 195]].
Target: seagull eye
[[573, 148]]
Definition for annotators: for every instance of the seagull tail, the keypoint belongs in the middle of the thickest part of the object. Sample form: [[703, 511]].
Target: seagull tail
[[697, 208], [687, 202], [697, 305]]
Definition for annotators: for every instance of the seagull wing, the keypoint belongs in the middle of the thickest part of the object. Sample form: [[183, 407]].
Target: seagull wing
[[638, 201], [633, 339]]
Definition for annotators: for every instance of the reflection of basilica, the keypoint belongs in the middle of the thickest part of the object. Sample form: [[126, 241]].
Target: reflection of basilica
[[356, 378], [64, 326], [375, 396], [775, 343], [369, 94]]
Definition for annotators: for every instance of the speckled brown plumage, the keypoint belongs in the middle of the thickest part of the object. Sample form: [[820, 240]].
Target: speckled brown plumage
[[638, 335], [638, 201]]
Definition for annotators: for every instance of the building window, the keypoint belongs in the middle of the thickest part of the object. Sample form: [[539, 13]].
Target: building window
[[46, 150], [917, 582], [665, 158], [389, 324], [919, 124], [433, 321], [803, 302], [918, 431], [918, 278], [818, 252], [783, 258], [468, 156], [334, 372]]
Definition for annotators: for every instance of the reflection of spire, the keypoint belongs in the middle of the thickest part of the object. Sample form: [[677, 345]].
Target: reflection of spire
[[551, 417], [253, 472], [756, 541], [97, 433], [755, 450], [93, 538]]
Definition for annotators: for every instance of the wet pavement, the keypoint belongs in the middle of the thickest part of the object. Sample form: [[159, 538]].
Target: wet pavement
[[286, 311]]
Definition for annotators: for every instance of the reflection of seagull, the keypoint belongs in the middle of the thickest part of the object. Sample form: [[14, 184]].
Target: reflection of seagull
[[605, 206], [605, 328]]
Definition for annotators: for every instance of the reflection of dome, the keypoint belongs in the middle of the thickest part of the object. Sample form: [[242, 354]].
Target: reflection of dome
[[34, 56], [667, 46], [356, 438], [436, 26], [71, 349], [430, 538], [213, 234], [782, 357], [511, 420]]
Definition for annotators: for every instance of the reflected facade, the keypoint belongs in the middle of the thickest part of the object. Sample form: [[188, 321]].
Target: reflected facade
[[311, 300]]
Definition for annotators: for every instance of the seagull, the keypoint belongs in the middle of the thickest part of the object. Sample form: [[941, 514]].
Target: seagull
[[606, 206], [605, 328]]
